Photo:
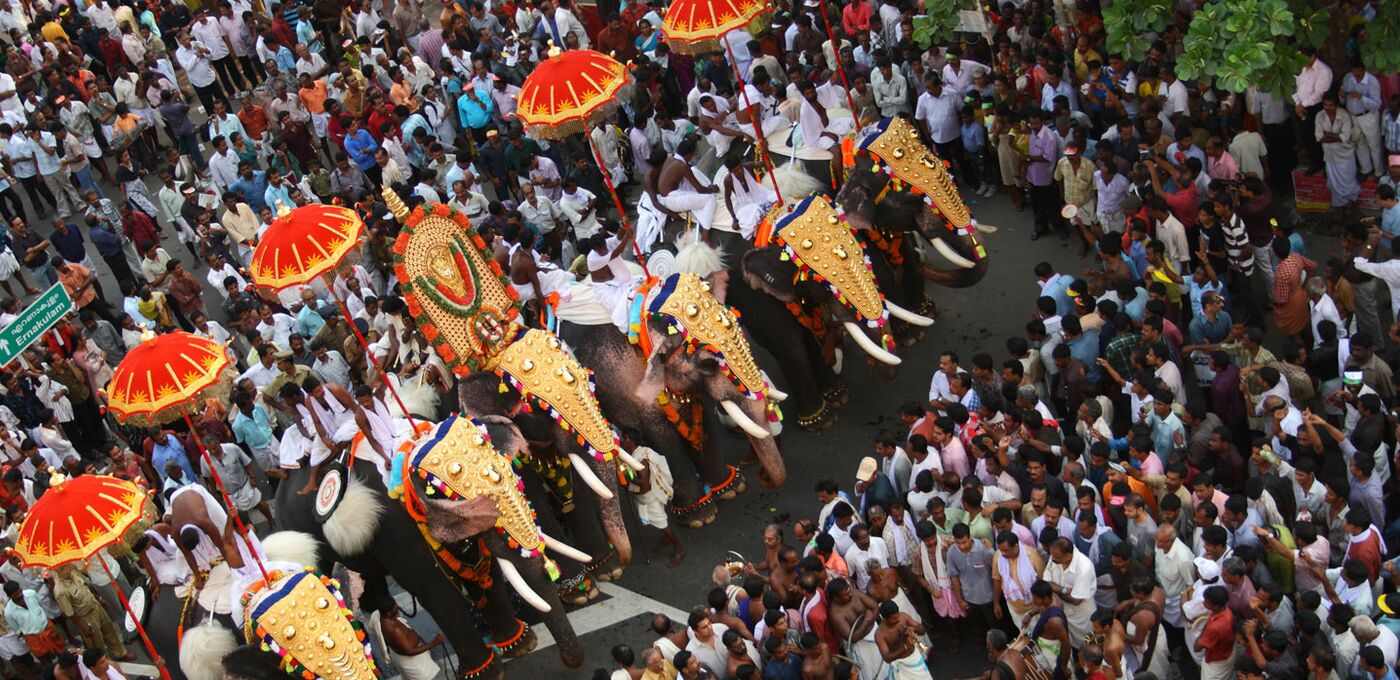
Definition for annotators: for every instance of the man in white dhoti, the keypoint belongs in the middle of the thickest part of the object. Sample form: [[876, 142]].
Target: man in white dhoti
[[613, 283], [718, 123], [608, 142], [820, 131], [758, 99], [580, 206], [680, 189], [746, 199], [530, 275], [1337, 134]]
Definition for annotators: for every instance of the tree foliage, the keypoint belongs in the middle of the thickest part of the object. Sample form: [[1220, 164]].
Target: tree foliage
[[1128, 21], [937, 25], [1237, 44]]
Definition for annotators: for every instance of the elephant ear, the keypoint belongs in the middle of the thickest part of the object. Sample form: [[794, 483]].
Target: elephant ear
[[766, 270], [455, 520]]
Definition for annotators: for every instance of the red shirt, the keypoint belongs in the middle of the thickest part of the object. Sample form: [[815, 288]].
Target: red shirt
[[1184, 204], [816, 620], [1218, 637], [856, 17], [139, 227]]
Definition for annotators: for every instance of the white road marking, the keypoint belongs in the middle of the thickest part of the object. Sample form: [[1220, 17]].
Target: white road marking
[[621, 605]]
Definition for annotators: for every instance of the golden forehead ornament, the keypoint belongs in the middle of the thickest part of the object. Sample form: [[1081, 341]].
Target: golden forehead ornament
[[901, 150], [708, 322], [816, 236]]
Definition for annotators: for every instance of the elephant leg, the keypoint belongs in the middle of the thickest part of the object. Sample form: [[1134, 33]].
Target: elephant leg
[[531, 574], [574, 585], [510, 636], [689, 501], [583, 528]]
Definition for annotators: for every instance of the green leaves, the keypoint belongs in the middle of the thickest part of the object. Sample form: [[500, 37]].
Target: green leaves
[[1241, 43], [1381, 50], [1128, 21], [938, 25]]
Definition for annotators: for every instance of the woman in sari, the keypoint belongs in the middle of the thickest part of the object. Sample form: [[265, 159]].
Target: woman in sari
[[1290, 300], [244, 150], [133, 189]]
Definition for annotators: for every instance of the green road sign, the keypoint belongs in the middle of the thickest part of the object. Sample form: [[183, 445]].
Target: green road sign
[[41, 315]]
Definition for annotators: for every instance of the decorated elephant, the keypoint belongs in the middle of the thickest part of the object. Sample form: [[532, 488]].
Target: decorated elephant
[[466, 308], [686, 347], [898, 187]]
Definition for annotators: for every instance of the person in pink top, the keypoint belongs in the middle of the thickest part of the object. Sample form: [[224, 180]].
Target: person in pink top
[[950, 448]]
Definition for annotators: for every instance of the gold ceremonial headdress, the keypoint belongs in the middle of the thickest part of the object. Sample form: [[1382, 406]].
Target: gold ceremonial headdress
[[688, 307], [458, 460], [301, 617], [897, 151], [814, 235], [466, 307]]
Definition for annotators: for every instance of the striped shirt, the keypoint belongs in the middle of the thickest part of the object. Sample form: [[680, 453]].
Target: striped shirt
[[1236, 237]]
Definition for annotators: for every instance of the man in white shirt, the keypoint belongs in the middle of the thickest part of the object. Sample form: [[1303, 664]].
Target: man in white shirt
[[206, 29], [891, 93], [1321, 308], [223, 163], [1310, 85], [1361, 94], [194, 58], [866, 552]]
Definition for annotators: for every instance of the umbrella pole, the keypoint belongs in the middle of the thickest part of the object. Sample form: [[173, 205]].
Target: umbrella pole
[[233, 511], [412, 426], [140, 629], [760, 140], [622, 214], [836, 54]]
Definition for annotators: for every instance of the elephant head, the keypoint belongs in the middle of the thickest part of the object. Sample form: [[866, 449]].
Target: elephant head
[[466, 307], [899, 184], [809, 246], [462, 474], [695, 345], [302, 617]]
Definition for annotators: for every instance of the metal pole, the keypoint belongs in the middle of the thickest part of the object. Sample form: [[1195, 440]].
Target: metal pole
[[836, 57], [622, 214], [412, 426], [140, 629], [757, 129], [233, 511]]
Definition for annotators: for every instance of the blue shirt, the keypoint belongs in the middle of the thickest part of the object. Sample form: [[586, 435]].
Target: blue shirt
[[361, 147], [1390, 224], [1164, 432], [69, 245], [309, 322], [1057, 287], [475, 114], [974, 137], [278, 197], [108, 244], [1085, 348], [254, 431], [171, 451], [1204, 331], [252, 190], [1197, 291], [417, 155], [786, 669]]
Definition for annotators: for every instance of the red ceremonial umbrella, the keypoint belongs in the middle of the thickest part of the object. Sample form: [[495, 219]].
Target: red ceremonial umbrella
[[78, 518], [570, 92], [167, 377], [312, 242]]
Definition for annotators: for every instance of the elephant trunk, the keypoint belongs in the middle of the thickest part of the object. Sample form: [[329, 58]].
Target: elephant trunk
[[530, 575], [610, 509], [752, 417]]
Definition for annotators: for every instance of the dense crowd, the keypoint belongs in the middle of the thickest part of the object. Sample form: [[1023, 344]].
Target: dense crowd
[[1181, 466]]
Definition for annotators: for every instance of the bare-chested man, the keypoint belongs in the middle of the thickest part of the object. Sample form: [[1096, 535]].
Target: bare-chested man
[[852, 616], [1048, 627], [816, 658], [1109, 635], [672, 638], [783, 578], [1142, 624], [681, 190], [898, 640], [330, 417], [1007, 663], [527, 275]]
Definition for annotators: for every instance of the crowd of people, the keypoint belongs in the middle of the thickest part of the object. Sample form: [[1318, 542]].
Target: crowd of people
[[1181, 466]]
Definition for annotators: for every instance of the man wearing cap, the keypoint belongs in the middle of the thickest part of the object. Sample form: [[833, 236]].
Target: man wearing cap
[[1077, 182], [871, 487]]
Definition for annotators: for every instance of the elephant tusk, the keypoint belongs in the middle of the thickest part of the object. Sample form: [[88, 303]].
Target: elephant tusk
[[869, 345], [586, 474], [742, 419], [565, 549], [522, 586], [987, 228], [628, 460], [947, 252], [773, 392], [907, 316]]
